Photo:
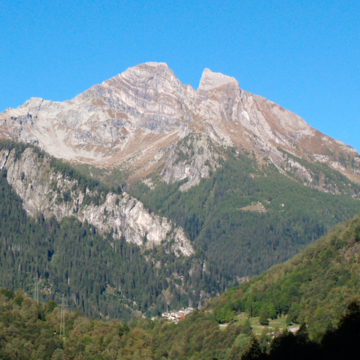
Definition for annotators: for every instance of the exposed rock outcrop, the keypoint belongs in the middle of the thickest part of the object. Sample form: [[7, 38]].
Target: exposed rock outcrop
[[193, 158], [50, 193]]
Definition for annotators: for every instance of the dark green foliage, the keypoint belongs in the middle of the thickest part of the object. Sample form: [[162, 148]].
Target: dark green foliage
[[123, 329], [51, 305], [247, 242], [264, 318], [254, 351], [341, 343], [344, 341], [9, 294]]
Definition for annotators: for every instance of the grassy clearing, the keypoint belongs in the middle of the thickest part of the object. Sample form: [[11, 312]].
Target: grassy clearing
[[278, 324]]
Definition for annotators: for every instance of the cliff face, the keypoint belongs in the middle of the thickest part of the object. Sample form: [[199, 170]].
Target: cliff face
[[137, 120], [48, 192], [193, 158]]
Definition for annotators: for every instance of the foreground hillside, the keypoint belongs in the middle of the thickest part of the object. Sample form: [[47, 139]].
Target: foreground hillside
[[30, 330], [314, 287]]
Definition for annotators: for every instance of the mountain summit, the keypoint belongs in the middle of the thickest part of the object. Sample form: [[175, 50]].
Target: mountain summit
[[136, 119], [211, 80]]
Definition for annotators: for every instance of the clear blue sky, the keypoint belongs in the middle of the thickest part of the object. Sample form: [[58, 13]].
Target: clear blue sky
[[304, 55]]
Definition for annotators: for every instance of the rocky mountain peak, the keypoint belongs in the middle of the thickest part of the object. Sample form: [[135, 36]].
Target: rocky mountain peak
[[155, 64], [151, 75], [211, 80], [34, 102], [136, 119]]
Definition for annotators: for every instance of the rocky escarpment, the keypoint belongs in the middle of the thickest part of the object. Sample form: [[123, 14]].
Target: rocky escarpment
[[50, 193], [136, 120], [193, 159]]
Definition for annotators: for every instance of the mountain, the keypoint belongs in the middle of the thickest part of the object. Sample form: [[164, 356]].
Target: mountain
[[218, 174], [136, 120]]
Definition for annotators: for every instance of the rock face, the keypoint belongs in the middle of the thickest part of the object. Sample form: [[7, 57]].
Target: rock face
[[193, 158], [137, 120], [51, 194]]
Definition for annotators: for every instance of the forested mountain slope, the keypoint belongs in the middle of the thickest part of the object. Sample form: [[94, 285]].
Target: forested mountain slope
[[248, 217], [240, 221], [314, 287], [318, 288], [50, 228]]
